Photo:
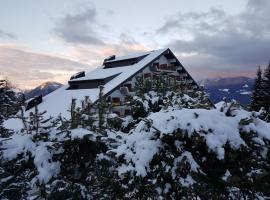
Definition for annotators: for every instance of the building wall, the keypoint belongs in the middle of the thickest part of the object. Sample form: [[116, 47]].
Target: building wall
[[122, 107]]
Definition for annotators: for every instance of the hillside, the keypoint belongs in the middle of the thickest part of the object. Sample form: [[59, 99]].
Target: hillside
[[238, 88]]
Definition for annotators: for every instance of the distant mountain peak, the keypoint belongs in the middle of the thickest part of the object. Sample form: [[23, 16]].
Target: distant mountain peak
[[43, 89], [49, 84]]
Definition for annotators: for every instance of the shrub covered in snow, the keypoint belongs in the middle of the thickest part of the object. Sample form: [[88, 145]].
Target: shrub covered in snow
[[172, 147]]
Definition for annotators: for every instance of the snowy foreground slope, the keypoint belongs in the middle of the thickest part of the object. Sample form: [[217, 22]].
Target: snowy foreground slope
[[176, 153]]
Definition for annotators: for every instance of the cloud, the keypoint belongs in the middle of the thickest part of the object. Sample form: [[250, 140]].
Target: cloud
[[79, 28], [222, 42], [94, 55], [4, 34], [26, 69], [110, 12]]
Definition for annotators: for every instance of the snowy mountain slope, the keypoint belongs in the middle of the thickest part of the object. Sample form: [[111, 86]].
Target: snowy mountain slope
[[238, 88]]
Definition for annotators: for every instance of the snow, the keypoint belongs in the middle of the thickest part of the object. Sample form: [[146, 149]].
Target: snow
[[189, 158], [49, 84], [3, 180], [129, 56], [226, 175], [16, 145], [167, 188], [152, 96], [43, 162], [98, 73], [79, 133], [224, 129], [224, 90], [188, 181], [23, 144], [245, 93], [139, 147], [220, 104], [14, 124]]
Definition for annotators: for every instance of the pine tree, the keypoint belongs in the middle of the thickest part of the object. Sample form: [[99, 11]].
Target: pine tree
[[39, 125], [8, 104], [102, 109], [22, 169], [8, 99], [1, 122], [83, 116], [257, 95], [87, 115], [266, 90], [142, 85], [73, 114]]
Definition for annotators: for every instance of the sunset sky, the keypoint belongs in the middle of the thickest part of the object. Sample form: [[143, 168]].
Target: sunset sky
[[53, 39]]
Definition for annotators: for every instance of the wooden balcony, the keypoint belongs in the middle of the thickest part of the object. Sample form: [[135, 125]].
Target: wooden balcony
[[163, 67], [147, 75]]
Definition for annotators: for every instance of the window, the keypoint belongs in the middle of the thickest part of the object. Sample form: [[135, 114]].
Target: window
[[116, 101], [129, 86], [147, 75], [155, 76], [171, 67], [163, 67], [156, 65]]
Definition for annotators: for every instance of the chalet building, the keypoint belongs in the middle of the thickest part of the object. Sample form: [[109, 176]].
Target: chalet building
[[117, 76]]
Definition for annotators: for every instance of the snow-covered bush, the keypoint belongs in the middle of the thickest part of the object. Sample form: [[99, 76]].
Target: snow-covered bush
[[197, 153], [176, 147]]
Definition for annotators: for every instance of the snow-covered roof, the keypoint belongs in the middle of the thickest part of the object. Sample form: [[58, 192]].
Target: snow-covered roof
[[129, 56], [98, 73], [59, 101]]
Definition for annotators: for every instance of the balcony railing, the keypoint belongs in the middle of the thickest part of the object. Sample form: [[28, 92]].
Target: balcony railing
[[167, 67]]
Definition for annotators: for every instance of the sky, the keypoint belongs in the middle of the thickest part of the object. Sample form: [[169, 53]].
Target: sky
[[51, 40]]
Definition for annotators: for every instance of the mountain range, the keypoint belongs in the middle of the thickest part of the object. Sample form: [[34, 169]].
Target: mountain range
[[238, 88]]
